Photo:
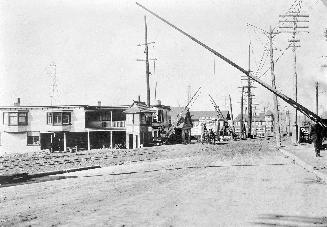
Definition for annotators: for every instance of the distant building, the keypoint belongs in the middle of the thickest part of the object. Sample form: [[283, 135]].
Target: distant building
[[183, 122], [145, 124], [208, 118], [63, 127], [262, 123]]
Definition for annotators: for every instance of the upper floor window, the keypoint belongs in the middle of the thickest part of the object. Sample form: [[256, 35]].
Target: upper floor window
[[17, 118], [104, 116], [59, 118]]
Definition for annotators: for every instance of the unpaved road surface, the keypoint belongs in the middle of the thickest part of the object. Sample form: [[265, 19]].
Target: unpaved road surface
[[243, 183]]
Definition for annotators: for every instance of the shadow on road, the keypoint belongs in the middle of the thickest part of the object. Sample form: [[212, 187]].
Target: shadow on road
[[290, 220], [34, 180]]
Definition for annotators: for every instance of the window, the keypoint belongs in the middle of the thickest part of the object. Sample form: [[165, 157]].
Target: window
[[105, 116], [58, 118], [22, 118], [65, 118], [49, 118], [13, 119], [19, 118], [33, 138], [160, 116]]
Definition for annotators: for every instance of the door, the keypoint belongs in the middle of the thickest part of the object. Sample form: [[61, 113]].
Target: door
[[130, 141], [45, 141]]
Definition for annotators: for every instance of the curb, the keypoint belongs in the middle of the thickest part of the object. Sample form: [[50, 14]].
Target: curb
[[306, 166], [7, 179]]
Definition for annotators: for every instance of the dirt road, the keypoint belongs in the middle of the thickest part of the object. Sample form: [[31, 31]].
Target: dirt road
[[236, 184]]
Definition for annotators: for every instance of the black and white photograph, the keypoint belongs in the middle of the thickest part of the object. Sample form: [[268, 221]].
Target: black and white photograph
[[164, 113]]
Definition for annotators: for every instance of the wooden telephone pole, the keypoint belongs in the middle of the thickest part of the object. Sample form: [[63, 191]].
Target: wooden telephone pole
[[242, 119], [273, 84], [147, 70], [248, 91], [294, 22], [147, 65], [231, 113], [249, 98]]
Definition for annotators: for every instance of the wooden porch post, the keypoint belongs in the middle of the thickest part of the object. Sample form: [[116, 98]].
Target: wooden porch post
[[65, 142], [111, 140], [88, 140]]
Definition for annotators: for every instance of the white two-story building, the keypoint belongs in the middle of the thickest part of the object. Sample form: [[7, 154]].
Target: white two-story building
[[33, 128]]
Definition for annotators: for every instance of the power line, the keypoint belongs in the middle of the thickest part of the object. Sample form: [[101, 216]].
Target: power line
[[294, 22]]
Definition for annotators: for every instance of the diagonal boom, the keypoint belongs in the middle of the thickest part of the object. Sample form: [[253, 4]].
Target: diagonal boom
[[288, 100]]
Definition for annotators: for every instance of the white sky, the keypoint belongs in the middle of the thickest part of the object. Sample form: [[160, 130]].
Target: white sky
[[94, 45]]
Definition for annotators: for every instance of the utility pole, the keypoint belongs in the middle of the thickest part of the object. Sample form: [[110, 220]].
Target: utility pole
[[147, 70], [273, 84], [147, 66], [231, 112], [242, 121], [270, 35], [249, 98], [155, 91], [248, 88], [292, 22], [317, 92]]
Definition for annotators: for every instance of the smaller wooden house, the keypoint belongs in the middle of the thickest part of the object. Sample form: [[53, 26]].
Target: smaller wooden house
[[138, 125], [182, 132]]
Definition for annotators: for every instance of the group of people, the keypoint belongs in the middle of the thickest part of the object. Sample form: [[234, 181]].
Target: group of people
[[207, 136], [210, 136]]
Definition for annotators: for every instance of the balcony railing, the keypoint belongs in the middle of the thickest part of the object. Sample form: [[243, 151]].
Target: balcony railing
[[118, 124]]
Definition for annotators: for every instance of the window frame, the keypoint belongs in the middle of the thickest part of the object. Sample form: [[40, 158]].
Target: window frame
[[38, 141], [57, 118], [49, 118], [68, 115], [17, 115]]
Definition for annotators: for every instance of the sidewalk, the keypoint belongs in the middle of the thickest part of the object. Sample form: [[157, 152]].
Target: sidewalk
[[304, 155]]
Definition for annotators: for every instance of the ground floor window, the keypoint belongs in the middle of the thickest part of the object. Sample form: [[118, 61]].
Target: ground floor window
[[33, 138]]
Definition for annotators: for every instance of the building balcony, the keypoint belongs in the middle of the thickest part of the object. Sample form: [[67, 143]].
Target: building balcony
[[15, 128], [110, 125]]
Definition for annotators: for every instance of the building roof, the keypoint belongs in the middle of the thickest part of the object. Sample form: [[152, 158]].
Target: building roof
[[138, 107], [122, 107], [161, 107], [41, 107], [87, 107], [196, 115]]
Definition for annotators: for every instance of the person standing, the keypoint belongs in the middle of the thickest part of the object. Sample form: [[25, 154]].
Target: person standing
[[317, 136]]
